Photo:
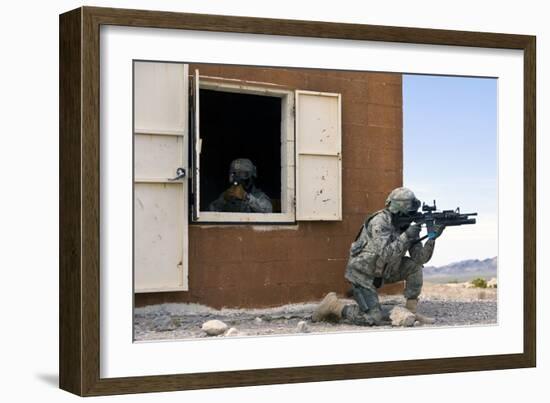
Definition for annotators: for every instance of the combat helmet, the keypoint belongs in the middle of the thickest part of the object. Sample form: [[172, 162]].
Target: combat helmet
[[402, 201], [242, 166], [242, 171]]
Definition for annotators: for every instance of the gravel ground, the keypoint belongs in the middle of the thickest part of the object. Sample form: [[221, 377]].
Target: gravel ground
[[449, 304]]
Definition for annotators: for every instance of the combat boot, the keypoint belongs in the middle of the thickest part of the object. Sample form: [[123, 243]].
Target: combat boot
[[330, 307], [411, 305]]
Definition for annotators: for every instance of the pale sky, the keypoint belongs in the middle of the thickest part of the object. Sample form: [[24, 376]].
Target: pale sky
[[450, 155]]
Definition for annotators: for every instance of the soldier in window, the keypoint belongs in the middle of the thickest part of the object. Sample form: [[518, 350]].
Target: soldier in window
[[242, 196]]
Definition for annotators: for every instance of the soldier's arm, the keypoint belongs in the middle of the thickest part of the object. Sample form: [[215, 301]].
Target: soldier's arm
[[380, 243], [422, 254], [217, 205], [260, 203]]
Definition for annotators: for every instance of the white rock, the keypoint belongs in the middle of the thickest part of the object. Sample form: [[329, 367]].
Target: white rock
[[232, 332], [401, 316], [302, 327], [214, 327], [492, 283], [258, 320]]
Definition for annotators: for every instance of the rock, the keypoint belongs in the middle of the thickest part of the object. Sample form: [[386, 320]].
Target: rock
[[417, 323], [258, 320], [302, 327], [232, 332], [401, 316], [163, 323], [492, 283], [214, 327]]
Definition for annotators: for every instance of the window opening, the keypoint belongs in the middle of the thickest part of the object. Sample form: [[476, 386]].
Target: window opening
[[239, 125]]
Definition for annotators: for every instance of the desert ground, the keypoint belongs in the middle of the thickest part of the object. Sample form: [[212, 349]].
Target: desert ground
[[457, 304]]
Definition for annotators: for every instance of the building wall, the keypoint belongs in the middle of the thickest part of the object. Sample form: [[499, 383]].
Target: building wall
[[260, 266]]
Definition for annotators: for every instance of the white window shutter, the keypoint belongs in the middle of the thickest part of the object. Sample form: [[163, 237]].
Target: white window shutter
[[161, 143], [318, 156], [158, 97]]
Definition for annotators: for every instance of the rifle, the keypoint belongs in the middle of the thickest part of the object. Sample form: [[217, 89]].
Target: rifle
[[431, 217]]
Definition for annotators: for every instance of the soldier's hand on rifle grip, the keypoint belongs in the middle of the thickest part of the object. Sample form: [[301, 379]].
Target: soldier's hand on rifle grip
[[436, 233], [413, 231], [235, 192]]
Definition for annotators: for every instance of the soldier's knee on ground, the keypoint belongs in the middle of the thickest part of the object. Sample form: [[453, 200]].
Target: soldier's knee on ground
[[354, 315], [373, 317]]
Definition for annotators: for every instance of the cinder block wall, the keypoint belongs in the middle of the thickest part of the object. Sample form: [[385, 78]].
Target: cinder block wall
[[243, 266]]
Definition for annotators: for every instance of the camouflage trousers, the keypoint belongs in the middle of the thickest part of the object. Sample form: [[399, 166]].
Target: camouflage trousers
[[407, 270], [361, 314], [366, 295]]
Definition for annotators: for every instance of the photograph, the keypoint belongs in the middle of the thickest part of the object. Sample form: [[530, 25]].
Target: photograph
[[249, 201], [273, 201]]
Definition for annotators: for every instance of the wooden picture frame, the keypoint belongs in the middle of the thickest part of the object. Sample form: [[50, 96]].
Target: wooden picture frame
[[80, 199]]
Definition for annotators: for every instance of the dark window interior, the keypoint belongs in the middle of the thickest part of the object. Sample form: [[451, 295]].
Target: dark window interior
[[235, 125]]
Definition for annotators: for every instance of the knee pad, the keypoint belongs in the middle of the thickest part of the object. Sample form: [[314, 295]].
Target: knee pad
[[366, 299]]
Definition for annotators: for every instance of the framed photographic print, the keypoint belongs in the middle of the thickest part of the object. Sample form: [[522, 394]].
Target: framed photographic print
[[250, 201]]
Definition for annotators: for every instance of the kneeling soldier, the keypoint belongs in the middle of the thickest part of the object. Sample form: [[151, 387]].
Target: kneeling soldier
[[377, 257]]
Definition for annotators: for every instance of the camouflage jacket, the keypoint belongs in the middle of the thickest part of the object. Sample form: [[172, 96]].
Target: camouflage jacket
[[256, 201], [379, 248]]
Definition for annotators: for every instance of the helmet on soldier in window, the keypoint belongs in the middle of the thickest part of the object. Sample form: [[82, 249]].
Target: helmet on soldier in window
[[402, 201], [242, 171]]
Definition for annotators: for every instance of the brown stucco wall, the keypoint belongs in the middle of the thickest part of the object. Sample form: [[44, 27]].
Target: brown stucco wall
[[252, 266]]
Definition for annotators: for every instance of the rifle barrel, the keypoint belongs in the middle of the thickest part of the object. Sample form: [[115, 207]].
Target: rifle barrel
[[452, 223]]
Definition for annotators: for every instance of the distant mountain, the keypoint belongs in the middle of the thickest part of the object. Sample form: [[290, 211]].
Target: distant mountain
[[463, 270]]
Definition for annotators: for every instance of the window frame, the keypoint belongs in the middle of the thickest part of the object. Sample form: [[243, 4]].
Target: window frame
[[288, 169]]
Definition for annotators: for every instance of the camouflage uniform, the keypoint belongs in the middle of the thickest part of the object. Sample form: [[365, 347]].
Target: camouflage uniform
[[378, 257], [255, 201]]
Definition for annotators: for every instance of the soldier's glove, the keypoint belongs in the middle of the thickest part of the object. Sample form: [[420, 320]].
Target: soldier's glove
[[413, 231], [235, 192], [436, 233]]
